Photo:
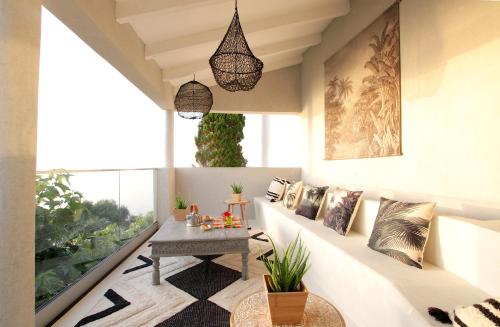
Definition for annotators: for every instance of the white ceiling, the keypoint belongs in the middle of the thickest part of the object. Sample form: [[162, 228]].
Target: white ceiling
[[181, 35]]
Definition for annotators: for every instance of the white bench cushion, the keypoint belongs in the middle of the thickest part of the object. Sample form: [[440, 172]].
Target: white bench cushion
[[369, 288]]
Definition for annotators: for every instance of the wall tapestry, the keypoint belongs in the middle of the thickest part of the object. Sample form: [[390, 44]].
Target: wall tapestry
[[363, 93]]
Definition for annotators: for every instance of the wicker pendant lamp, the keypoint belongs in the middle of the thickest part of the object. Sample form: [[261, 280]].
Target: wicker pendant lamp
[[193, 100], [234, 66]]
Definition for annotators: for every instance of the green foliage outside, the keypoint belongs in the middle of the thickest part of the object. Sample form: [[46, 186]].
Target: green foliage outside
[[73, 235], [218, 141]]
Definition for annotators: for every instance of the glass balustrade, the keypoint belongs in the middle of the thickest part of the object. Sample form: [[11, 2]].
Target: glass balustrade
[[82, 217]]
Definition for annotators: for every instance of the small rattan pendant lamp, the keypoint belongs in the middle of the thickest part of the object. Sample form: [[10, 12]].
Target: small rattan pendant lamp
[[193, 100], [234, 66]]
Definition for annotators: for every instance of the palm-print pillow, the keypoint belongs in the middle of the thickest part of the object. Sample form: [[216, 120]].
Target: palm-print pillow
[[292, 195], [311, 201], [401, 230], [341, 210]]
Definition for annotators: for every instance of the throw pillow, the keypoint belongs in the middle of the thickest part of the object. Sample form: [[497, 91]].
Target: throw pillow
[[486, 313], [341, 210], [292, 195], [276, 189], [401, 230], [312, 199]]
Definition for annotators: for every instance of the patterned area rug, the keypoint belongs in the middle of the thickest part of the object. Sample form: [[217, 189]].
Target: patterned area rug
[[194, 291]]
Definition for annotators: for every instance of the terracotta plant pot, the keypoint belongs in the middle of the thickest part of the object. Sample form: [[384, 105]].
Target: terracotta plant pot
[[236, 197], [180, 214], [286, 308]]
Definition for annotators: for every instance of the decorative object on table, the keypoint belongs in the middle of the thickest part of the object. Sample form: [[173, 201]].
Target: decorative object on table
[[206, 226], [237, 190], [484, 314], [341, 210], [243, 209], [292, 195], [312, 199], [218, 141], [253, 311], [228, 218], [207, 218], [363, 93], [180, 210], [227, 221], [193, 219], [276, 189], [286, 293], [193, 100], [234, 66], [401, 230]]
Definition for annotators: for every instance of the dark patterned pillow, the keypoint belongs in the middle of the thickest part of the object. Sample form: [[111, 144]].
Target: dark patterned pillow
[[312, 197], [341, 210], [401, 230]]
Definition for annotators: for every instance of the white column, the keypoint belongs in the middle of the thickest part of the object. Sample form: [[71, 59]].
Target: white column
[[166, 179], [19, 60]]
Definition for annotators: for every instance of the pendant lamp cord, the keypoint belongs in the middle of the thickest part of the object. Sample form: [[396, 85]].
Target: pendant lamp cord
[[236, 5]]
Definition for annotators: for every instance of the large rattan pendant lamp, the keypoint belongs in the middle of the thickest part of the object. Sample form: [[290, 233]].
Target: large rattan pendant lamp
[[234, 66], [193, 100]]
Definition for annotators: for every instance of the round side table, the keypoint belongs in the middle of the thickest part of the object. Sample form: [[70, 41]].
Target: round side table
[[253, 311]]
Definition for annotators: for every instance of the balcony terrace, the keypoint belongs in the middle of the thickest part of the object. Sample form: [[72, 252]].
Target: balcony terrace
[[372, 135]]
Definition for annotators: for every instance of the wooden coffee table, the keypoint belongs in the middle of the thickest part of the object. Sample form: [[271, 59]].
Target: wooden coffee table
[[174, 239]]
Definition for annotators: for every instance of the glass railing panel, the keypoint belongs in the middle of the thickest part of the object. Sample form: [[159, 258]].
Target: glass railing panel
[[82, 218]]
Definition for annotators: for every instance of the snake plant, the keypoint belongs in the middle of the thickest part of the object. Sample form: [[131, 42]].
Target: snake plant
[[288, 267]]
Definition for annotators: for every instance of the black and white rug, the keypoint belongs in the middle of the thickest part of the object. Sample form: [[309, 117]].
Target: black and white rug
[[194, 291]]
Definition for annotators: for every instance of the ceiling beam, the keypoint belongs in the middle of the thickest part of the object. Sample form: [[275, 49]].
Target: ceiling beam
[[154, 50], [261, 52], [130, 10], [271, 65]]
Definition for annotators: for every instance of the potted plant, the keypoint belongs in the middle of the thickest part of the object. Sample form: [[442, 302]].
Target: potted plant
[[180, 210], [237, 190], [286, 293]]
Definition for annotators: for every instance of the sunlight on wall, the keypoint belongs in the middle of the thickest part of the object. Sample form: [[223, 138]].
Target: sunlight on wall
[[270, 141], [90, 116]]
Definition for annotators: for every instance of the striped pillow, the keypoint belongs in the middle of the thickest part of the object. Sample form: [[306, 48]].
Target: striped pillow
[[276, 189], [483, 314]]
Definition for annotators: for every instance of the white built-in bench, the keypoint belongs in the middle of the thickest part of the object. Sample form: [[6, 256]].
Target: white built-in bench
[[462, 266]]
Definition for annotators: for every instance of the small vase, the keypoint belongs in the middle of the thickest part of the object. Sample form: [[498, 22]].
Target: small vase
[[286, 308], [180, 214], [236, 197]]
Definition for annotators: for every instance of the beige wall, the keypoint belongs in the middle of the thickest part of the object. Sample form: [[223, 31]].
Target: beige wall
[[209, 187], [450, 107], [277, 92]]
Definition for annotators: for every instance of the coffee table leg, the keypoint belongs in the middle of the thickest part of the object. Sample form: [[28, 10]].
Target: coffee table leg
[[156, 271], [244, 266]]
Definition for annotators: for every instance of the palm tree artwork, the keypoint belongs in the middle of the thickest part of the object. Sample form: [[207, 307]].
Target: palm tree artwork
[[401, 230], [363, 93]]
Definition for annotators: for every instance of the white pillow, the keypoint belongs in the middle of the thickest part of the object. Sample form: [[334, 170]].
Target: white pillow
[[276, 189]]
